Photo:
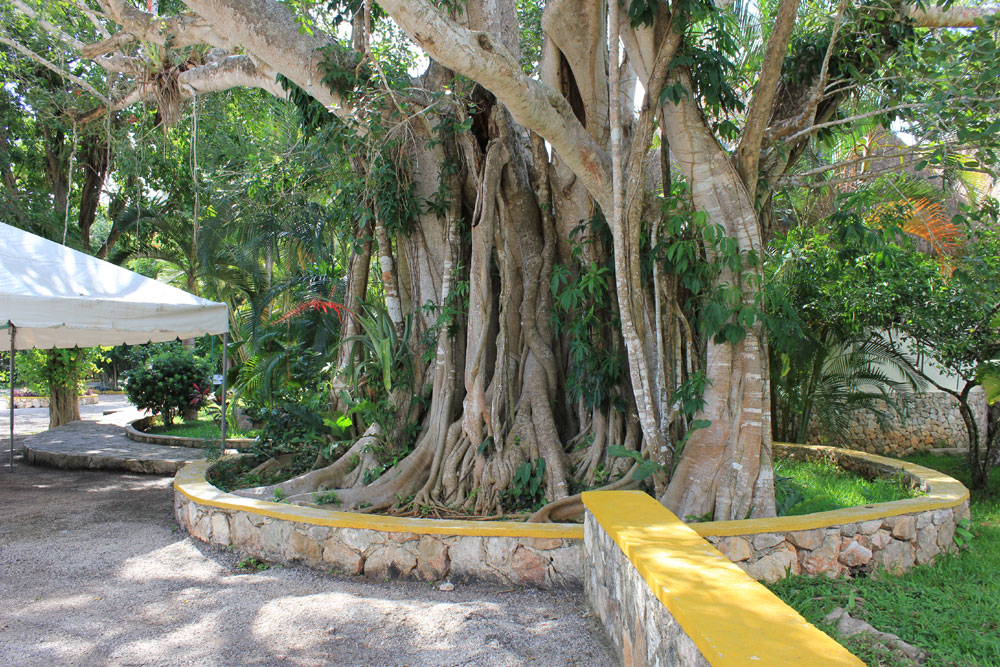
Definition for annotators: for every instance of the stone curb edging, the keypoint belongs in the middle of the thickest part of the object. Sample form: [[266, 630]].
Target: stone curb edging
[[133, 432], [67, 461], [21, 402], [894, 535], [666, 597], [507, 552]]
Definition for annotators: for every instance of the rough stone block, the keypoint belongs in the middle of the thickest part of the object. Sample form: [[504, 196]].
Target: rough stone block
[[358, 539], [854, 554], [566, 569], [774, 565], [897, 556], [220, 528], [923, 520], [432, 559], [823, 560], [529, 567], [927, 546], [767, 540], [850, 529], [940, 517], [389, 561], [342, 558], [735, 549], [274, 539], [946, 535], [303, 547], [881, 538], [202, 528], [870, 527], [468, 562], [543, 543], [403, 537], [807, 539], [904, 528]]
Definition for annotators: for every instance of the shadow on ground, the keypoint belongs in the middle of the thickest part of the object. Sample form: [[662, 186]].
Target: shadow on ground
[[94, 570]]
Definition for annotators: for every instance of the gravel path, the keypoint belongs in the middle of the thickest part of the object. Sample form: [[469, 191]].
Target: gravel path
[[93, 571]]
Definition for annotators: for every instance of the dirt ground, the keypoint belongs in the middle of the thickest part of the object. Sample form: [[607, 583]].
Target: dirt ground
[[94, 571]]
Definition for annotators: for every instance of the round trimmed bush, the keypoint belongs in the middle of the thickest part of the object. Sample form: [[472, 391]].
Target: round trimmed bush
[[169, 383]]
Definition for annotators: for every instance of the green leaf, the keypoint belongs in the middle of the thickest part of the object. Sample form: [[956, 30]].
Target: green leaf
[[645, 469], [988, 375], [621, 452]]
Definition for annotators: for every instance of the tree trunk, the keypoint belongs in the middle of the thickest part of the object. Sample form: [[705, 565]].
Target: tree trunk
[[725, 470]]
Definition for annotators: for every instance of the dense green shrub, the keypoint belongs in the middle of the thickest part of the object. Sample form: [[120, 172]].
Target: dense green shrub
[[293, 427], [168, 383]]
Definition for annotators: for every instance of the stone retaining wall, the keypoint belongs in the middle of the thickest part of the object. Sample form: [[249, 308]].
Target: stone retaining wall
[[892, 536], [932, 421], [511, 553], [41, 401], [666, 597], [637, 623], [136, 430], [845, 542]]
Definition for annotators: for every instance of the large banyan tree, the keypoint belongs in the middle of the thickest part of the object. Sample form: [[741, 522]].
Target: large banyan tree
[[567, 209]]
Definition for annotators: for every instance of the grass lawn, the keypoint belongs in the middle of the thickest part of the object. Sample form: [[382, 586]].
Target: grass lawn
[[805, 487], [951, 608], [204, 428]]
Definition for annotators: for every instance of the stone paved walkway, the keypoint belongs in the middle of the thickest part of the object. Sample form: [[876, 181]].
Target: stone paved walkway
[[96, 442]]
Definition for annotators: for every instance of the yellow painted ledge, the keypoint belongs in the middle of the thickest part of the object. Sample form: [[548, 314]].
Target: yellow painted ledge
[[943, 492], [732, 619], [190, 482]]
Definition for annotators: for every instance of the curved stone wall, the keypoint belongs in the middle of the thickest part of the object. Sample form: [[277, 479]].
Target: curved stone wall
[[895, 535], [844, 542], [932, 421], [515, 553], [136, 430]]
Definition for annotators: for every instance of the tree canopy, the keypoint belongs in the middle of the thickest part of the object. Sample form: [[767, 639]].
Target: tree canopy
[[517, 248]]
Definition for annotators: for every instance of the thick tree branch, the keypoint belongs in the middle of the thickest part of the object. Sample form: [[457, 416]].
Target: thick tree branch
[[808, 114], [270, 32], [179, 31], [531, 103], [748, 151], [110, 45], [216, 76]]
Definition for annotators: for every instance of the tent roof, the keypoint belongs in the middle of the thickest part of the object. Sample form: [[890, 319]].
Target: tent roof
[[59, 297]]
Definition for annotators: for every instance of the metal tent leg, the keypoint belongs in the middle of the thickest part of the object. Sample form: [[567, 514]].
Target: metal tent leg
[[12, 328], [225, 363]]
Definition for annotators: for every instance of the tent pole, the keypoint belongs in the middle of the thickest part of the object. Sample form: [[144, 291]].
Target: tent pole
[[225, 362], [10, 325]]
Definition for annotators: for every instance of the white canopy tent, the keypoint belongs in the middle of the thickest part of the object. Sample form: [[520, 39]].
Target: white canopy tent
[[54, 296]]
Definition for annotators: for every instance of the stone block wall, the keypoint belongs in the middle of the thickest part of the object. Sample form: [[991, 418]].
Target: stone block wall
[[894, 543], [666, 597], [637, 623], [41, 401], [847, 542], [933, 421], [521, 561]]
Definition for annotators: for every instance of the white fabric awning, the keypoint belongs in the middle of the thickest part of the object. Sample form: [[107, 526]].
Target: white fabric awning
[[58, 297]]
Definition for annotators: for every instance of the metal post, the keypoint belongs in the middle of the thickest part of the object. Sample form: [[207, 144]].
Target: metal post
[[225, 362], [10, 325]]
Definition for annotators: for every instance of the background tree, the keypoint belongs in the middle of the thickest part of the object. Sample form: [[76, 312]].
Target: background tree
[[470, 178]]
